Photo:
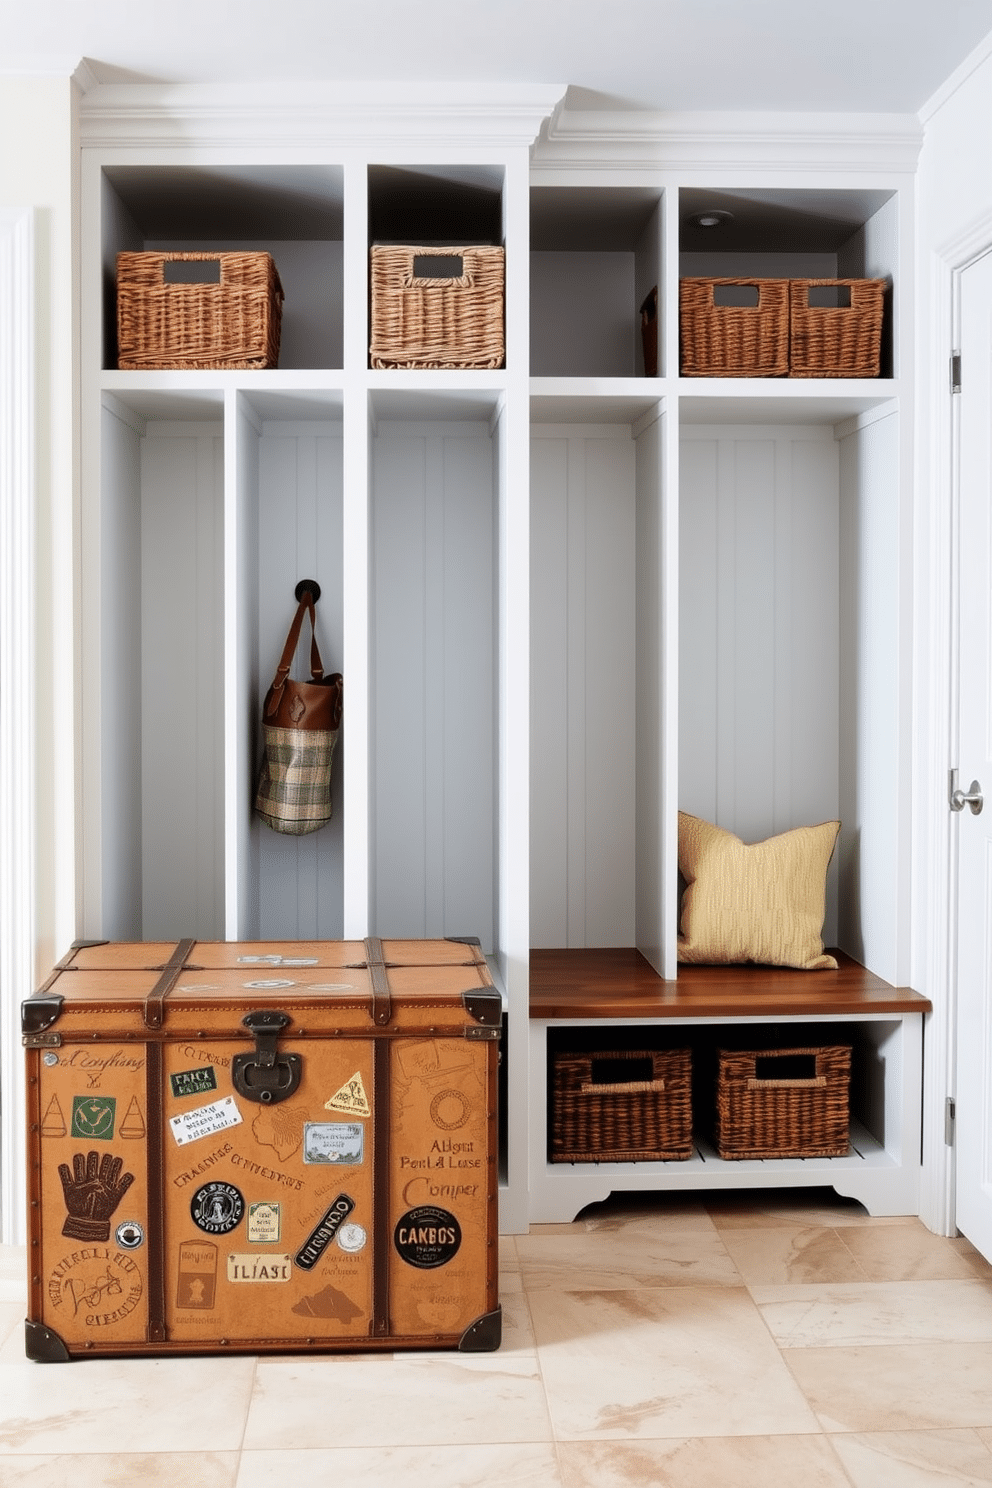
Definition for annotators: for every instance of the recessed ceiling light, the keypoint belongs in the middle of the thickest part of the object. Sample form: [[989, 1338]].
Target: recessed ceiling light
[[714, 218]]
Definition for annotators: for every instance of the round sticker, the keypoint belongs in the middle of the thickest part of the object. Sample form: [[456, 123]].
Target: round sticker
[[129, 1235], [217, 1208], [352, 1238], [427, 1237]]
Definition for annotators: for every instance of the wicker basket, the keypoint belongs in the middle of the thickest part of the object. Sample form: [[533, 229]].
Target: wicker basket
[[233, 319], [836, 341], [734, 340], [766, 1109], [425, 316], [597, 1117]]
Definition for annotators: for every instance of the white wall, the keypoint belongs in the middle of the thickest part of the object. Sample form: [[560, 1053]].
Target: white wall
[[37, 179], [954, 180], [39, 113]]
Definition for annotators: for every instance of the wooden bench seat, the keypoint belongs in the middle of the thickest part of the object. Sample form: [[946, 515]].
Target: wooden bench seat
[[612, 984]]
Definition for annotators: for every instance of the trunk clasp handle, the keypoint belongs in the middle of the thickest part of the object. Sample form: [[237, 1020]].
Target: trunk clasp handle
[[266, 1076]]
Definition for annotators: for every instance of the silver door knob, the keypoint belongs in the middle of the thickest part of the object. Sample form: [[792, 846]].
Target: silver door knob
[[971, 797]]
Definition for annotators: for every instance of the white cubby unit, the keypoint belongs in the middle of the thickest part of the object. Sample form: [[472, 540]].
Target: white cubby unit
[[569, 596], [207, 495], [214, 494], [720, 625]]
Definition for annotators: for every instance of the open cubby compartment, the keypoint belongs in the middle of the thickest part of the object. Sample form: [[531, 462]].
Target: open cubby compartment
[[435, 649], [288, 497], [793, 650], [596, 256], [782, 233], [156, 662], [293, 212], [877, 1086], [600, 548], [441, 206]]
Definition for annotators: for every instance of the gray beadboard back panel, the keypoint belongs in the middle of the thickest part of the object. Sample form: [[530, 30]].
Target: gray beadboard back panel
[[583, 688], [759, 652], [433, 658]]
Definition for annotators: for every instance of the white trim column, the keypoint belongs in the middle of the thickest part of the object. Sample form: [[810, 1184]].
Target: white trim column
[[936, 681], [17, 693]]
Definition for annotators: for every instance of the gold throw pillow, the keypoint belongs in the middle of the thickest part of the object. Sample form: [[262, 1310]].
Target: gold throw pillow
[[761, 903]]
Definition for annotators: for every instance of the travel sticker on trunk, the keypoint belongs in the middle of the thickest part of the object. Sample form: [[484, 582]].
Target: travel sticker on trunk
[[218, 1208], [264, 1223], [427, 1237], [259, 1268], [93, 1117], [351, 1099], [319, 1239], [193, 1082], [205, 1121], [341, 1142]]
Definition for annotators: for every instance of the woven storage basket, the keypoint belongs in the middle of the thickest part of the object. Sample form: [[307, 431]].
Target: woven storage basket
[[625, 1120], [734, 340], [768, 1115], [423, 317], [836, 341], [231, 323]]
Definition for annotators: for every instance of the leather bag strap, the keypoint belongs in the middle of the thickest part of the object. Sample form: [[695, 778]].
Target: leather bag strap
[[289, 650]]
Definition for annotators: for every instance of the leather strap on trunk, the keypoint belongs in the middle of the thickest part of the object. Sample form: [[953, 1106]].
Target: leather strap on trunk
[[155, 1230], [155, 1001], [381, 1238], [382, 1009]]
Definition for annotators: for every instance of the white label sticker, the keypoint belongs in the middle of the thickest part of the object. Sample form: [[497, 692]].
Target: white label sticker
[[205, 1121], [264, 1224], [333, 1142]]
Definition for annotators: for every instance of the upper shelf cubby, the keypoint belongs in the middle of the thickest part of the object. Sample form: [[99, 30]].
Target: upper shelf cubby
[[436, 206], [293, 212], [596, 257], [777, 233], [437, 267]]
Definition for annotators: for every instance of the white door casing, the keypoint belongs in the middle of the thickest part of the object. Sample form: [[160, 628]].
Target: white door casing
[[972, 831]]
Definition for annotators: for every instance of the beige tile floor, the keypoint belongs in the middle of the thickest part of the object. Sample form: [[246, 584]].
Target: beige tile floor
[[723, 1341]]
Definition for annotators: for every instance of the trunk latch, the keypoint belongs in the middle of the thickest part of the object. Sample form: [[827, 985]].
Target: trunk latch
[[266, 1075]]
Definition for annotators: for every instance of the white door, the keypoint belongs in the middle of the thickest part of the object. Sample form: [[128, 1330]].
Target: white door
[[972, 827]]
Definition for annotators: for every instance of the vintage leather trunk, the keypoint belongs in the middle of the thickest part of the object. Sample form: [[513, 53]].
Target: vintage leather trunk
[[254, 1147]]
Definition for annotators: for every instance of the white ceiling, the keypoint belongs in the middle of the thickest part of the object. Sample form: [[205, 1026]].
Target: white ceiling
[[851, 55]]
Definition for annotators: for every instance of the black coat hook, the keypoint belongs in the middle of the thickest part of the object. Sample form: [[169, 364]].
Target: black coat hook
[[306, 585]]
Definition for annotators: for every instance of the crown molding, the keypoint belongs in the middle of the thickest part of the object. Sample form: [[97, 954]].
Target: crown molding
[[170, 115], [84, 77], [852, 143]]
